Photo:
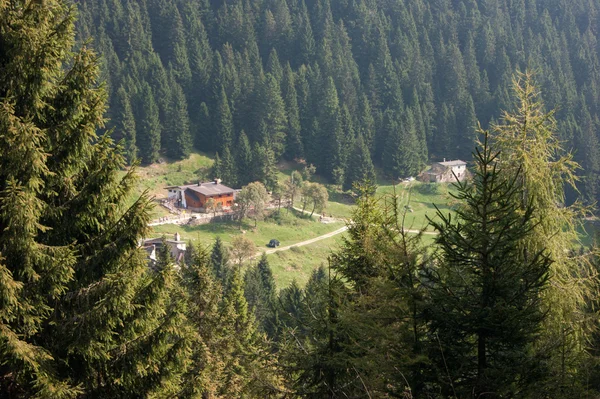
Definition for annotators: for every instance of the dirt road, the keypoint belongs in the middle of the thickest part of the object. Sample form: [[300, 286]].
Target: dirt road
[[303, 243]]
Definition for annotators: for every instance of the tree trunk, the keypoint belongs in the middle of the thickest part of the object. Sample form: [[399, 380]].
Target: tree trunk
[[481, 362], [313, 210]]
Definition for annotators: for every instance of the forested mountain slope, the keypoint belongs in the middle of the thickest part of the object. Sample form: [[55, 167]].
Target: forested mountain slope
[[261, 80]]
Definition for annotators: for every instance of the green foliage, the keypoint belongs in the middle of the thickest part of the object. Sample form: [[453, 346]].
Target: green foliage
[[82, 314], [359, 167], [304, 79], [486, 306], [244, 160], [528, 141], [219, 259], [261, 293], [177, 129], [149, 130]]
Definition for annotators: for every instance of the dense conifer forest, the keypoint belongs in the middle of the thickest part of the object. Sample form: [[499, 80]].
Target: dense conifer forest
[[306, 79], [503, 305]]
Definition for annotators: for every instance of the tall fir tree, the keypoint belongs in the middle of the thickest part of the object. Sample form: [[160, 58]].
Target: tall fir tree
[[219, 259], [125, 125], [149, 130], [294, 148], [75, 284], [177, 128], [203, 137], [486, 306], [260, 292], [244, 160], [273, 122], [204, 295], [223, 122], [359, 167], [229, 171]]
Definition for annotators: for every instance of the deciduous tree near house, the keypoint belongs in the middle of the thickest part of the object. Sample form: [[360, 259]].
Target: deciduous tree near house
[[314, 194], [212, 206], [242, 248], [251, 201], [318, 197], [293, 187]]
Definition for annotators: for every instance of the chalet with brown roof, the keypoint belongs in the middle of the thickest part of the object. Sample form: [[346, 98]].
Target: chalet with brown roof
[[195, 196]]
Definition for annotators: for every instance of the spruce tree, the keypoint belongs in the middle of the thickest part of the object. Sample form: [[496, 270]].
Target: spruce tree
[[487, 306], [228, 169], [177, 128], [204, 295], [273, 123], [330, 151], [359, 167], [260, 292], [401, 157], [149, 130], [223, 122], [244, 160], [203, 138], [244, 356], [125, 125], [366, 123], [294, 148], [219, 259], [264, 166], [81, 314]]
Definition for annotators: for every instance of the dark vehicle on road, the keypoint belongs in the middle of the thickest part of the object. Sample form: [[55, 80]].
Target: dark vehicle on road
[[273, 243]]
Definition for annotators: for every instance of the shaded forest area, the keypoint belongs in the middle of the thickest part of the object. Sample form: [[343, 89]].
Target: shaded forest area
[[274, 79], [504, 305]]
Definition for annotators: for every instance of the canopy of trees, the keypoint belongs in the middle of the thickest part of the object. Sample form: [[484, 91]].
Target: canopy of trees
[[504, 305], [260, 80]]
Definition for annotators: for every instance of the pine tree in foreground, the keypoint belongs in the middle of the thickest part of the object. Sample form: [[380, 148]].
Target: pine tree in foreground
[[260, 292], [81, 314], [487, 307]]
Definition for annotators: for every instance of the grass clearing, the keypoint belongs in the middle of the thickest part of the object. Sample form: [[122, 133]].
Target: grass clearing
[[154, 178], [299, 262], [288, 228]]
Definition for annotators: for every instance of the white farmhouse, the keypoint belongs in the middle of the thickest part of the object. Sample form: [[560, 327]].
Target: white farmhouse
[[444, 172]]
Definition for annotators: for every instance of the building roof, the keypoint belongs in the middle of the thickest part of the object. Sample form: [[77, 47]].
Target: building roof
[[208, 189], [158, 241], [211, 189], [458, 162]]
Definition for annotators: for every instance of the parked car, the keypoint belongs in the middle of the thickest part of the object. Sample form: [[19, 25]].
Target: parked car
[[273, 243]]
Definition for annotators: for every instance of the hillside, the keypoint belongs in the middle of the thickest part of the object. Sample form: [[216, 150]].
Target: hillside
[[397, 82], [288, 227]]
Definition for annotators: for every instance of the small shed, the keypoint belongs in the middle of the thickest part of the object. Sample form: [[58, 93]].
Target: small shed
[[177, 247]]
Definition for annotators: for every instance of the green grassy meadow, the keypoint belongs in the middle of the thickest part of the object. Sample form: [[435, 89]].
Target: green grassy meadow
[[154, 178], [418, 200], [299, 262], [287, 227]]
